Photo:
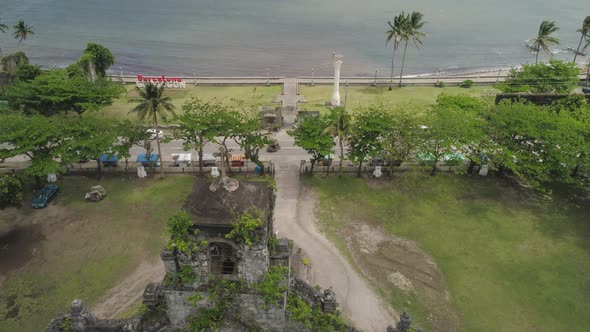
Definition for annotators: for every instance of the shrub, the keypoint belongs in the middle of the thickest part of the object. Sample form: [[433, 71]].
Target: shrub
[[186, 275], [246, 227], [466, 84], [313, 318], [180, 229], [272, 287], [439, 84]]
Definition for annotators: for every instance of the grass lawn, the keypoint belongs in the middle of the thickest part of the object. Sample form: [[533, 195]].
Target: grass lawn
[[316, 96], [267, 94], [83, 249], [510, 262]]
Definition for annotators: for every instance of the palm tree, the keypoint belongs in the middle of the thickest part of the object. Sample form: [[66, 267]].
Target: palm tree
[[339, 127], [411, 30], [22, 31], [395, 33], [153, 104], [3, 28], [544, 39], [585, 33]]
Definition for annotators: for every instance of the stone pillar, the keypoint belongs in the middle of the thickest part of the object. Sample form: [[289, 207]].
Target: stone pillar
[[405, 323], [337, 59], [329, 304], [151, 295], [170, 260]]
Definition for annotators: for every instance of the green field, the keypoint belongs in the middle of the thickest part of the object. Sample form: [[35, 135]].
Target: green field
[[316, 96], [83, 249], [267, 95], [511, 262]]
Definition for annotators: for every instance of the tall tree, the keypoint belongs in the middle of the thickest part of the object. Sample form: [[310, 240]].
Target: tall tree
[[96, 60], [55, 91], [339, 126], [544, 38], [367, 134], [309, 134], [411, 31], [153, 104], [584, 34], [22, 31], [130, 134], [395, 34], [197, 125], [3, 29]]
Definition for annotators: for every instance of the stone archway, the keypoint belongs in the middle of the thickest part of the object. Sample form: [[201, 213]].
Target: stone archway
[[223, 258]]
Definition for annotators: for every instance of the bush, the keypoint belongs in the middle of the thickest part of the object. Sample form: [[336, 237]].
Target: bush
[[272, 287], [11, 192], [186, 275], [466, 84], [246, 227], [553, 77], [313, 318], [439, 84], [181, 233]]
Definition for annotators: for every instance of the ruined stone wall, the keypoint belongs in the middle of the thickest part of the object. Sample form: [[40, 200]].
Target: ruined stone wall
[[253, 264]]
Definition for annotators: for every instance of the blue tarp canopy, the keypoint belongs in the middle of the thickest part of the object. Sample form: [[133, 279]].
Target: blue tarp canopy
[[109, 158], [141, 158]]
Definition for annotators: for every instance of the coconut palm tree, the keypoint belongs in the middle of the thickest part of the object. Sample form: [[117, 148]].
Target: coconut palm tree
[[544, 38], [585, 34], [3, 29], [394, 34], [411, 31], [22, 31], [339, 127], [153, 104]]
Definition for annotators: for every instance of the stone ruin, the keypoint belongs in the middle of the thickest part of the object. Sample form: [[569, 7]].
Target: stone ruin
[[168, 306]]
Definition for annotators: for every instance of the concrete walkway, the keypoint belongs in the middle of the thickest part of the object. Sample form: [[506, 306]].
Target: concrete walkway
[[290, 101], [294, 219]]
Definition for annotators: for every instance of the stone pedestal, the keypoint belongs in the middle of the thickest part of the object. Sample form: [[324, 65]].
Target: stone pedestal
[[170, 260]]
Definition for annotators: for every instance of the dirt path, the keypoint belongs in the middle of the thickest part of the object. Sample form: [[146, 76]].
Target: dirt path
[[294, 219], [129, 291]]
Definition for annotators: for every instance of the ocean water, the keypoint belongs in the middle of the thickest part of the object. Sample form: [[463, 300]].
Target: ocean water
[[287, 37]]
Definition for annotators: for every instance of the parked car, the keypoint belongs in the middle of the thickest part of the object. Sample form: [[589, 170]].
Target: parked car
[[586, 90], [152, 133], [44, 196], [181, 159]]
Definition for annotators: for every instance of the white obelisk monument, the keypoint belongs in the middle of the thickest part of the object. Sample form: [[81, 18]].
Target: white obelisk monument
[[337, 60]]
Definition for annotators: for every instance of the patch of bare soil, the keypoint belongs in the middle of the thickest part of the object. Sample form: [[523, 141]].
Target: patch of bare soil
[[394, 262], [129, 291]]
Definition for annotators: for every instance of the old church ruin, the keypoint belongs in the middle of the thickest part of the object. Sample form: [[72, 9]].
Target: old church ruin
[[222, 283]]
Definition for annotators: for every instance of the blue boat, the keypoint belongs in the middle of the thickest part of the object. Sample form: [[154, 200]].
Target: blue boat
[[109, 160], [152, 162]]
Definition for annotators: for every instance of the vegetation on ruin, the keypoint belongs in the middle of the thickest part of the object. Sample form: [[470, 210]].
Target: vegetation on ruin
[[313, 318], [220, 294], [186, 275], [182, 233], [246, 227], [273, 285]]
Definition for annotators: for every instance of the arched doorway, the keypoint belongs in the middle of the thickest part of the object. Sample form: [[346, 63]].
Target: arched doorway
[[223, 258]]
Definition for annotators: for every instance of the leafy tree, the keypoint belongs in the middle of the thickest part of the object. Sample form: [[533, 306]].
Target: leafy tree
[[367, 134], [526, 136], [41, 139], [54, 92], [250, 137], [339, 126], [226, 125], [395, 34], [11, 62], [544, 38], [197, 125], [153, 104], [91, 137], [26, 72], [22, 31], [96, 60], [246, 227], [309, 134], [585, 34], [402, 139], [553, 77], [130, 134], [11, 191], [411, 31]]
